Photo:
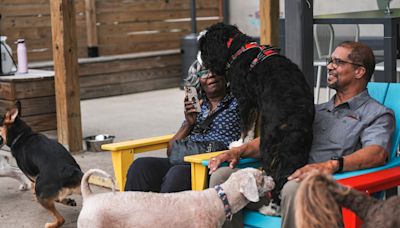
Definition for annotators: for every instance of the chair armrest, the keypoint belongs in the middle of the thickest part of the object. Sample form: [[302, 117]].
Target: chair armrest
[[199, 171], [199, 167], [140, 145], [122, 153], [375, 181]]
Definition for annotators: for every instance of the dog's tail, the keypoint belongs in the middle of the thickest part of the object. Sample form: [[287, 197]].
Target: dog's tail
[[319, 198], [85, 188]]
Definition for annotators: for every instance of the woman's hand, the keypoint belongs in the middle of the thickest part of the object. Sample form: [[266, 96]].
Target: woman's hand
[[232, 156], [190, 112]]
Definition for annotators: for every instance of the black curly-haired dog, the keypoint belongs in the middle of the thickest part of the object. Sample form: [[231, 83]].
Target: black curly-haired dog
[[267, 84]]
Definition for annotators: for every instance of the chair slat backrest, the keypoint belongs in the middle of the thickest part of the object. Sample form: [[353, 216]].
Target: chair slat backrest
[[377, 90], [392, 101]]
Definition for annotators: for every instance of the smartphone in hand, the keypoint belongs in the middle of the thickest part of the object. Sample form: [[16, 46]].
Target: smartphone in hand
[[191, 94]]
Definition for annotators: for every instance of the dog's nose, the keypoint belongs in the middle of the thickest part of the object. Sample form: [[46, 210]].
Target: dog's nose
[[1, 140]]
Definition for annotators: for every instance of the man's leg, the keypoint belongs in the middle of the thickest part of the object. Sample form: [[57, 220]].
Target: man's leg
[[177, 179], [287, 204], [218, 177], [146, 174]]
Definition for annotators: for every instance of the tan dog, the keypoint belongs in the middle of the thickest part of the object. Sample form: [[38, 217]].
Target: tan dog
[[319, 198], [205, 208]]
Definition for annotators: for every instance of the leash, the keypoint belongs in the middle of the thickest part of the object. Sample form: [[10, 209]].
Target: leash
[[265, 52], [224, 199]]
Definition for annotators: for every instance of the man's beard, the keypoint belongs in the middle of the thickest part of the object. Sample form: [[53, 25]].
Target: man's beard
[[333, 85]]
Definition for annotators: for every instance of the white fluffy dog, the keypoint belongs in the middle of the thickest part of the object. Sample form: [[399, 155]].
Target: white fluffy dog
[[207, 208]]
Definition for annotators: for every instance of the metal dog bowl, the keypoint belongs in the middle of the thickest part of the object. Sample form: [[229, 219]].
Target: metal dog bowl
[[94, 142]]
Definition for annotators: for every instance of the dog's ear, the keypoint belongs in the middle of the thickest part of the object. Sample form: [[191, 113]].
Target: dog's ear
[[13, 113], [18, 106], [248, 187]]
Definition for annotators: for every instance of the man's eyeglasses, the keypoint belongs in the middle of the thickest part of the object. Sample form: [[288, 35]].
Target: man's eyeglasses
[[338, 62], [203, 74]]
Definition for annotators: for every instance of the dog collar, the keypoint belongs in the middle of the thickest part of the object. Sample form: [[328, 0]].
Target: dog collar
[[265, 52], [244, 48], [15, 140], [224, 199], [229, 43]]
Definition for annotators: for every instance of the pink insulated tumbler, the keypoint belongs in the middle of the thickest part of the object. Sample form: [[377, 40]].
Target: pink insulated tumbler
[[22, 57]]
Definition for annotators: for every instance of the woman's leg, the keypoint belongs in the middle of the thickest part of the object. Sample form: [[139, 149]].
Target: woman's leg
[[146, 174], [177, 179]]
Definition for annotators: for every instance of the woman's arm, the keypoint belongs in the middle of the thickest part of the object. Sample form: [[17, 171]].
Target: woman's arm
[[187, 126]]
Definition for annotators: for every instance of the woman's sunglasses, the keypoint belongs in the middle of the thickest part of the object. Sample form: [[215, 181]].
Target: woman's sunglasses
[[203, 74]]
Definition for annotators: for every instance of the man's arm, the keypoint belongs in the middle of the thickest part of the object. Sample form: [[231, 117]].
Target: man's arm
[[250, 150], [376, 140], [367, 157]]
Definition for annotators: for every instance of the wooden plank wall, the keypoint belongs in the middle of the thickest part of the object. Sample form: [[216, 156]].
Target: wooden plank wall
[[30, 19], [37, 101], [148, 25], [130, 75], [123, 27]]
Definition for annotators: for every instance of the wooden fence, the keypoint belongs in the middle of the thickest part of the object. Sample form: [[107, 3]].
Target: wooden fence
[[118, 28]]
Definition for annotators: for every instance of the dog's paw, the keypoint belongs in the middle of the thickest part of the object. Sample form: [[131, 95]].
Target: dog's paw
[[24, 187], [25, 183], [68, 202], [272, 210]]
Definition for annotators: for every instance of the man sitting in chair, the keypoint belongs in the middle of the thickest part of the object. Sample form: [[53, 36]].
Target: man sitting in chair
[[157, 174], [352, 131]]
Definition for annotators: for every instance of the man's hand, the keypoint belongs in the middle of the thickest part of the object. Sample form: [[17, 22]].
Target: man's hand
[[327, 167], [232, 156], [190, 112]]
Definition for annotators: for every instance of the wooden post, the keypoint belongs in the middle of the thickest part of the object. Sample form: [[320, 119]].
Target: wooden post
[[91, 29], [299, 36], [269, 22], [69, 129]]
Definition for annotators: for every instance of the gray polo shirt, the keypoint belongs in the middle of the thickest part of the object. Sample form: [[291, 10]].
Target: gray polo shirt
[[342, 130]]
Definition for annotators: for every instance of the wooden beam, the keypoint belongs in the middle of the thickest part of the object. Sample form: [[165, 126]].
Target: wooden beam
[[69, 129], [299, 36], [91, 28], [269, 22]]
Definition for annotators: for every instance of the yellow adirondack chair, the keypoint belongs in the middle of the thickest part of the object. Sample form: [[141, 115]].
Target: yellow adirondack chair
[[123, 153]]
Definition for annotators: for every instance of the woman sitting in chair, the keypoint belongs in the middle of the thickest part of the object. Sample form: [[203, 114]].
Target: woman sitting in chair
[[158, 174]]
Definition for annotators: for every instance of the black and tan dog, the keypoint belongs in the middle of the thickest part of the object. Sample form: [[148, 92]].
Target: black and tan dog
[[267, 83], [53, 171]]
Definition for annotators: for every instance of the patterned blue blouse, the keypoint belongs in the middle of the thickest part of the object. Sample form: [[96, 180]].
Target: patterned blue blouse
[[224, 128]]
